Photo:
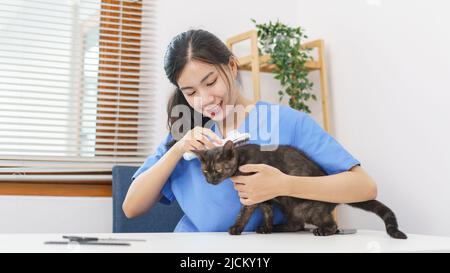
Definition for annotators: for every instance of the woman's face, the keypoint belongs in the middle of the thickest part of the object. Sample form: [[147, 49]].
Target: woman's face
[[206, 90]]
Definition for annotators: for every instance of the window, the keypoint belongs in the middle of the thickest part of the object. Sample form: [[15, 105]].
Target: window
[[75, 93]]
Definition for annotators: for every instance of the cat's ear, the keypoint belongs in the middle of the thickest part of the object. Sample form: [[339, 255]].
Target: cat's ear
[[229, 145], [228, 148]]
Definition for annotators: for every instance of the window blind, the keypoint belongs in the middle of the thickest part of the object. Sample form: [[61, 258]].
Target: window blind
[[76, 88]]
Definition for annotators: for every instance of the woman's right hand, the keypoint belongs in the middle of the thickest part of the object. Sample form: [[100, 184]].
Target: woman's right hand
[[198, 138]]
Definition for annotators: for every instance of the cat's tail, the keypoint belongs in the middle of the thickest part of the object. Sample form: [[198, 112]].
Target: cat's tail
[[385, 213]]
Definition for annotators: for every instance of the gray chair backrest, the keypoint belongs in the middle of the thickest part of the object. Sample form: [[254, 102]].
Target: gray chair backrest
[[161, 218]]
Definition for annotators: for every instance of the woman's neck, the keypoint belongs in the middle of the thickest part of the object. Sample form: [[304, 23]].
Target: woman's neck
[[226, 125]]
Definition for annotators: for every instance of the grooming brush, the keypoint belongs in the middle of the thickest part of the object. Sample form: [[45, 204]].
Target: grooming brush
[[235, 136]]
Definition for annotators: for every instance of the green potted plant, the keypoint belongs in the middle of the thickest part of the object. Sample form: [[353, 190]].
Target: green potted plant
[[283, 44]]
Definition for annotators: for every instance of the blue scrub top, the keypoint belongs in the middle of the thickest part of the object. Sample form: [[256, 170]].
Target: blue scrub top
[[210, 208]]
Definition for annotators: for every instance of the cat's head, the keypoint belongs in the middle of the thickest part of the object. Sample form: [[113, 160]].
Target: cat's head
[[218, 163]]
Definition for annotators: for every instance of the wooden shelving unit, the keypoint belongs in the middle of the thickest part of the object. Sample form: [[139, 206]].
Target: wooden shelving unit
[[258, 64]]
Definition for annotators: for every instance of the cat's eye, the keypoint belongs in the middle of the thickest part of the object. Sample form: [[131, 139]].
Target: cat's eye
[[205, 171], [219, 170]]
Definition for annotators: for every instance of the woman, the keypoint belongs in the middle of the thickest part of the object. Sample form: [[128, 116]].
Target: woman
[[207, 82]]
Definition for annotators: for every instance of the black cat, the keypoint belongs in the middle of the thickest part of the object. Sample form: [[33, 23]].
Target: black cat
[[222, 162]]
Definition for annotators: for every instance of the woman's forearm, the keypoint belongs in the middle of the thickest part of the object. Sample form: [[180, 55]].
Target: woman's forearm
[[351, 186], [145, 190]]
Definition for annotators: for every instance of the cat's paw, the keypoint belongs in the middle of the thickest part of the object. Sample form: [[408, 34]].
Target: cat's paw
[[264, 229], [235, 230], [323, 232]]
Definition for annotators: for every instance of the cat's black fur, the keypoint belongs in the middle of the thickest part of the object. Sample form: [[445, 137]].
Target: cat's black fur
[[222, 162]]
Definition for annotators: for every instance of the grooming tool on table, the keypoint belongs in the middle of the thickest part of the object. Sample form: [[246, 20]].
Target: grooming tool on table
[[94, 241]]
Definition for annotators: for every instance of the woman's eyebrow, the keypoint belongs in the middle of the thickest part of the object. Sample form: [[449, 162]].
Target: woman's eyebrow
[[187, 87]]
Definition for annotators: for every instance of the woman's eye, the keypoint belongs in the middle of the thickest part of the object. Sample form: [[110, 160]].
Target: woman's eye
[[190, 94], [209, 84]]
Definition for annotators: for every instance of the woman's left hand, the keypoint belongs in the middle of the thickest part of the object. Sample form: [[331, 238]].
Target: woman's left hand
[[265, 184]]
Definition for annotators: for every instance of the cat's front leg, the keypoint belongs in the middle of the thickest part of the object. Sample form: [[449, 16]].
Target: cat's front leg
[[242, 219], [326, 225]]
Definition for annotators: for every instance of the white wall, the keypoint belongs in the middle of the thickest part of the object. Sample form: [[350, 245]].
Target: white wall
[[387, 62], [389, 65]]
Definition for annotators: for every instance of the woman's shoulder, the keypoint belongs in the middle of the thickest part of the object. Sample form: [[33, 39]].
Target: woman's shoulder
[[285, 112]]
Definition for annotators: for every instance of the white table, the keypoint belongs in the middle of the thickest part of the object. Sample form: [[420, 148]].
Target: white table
[[362, 241]]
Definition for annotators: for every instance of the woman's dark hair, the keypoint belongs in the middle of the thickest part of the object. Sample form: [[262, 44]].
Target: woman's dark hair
[[199, 45]]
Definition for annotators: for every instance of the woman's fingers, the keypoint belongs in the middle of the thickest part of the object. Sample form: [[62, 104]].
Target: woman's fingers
[[207, 132], [238, 187], [208, 137], [245, 201], [206, 142], [195, 145], [243, 195], [205, 136], [199, 138], [241, 190], [202, 143]]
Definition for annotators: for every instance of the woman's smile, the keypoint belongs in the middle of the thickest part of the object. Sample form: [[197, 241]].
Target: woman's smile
[[215, 109]]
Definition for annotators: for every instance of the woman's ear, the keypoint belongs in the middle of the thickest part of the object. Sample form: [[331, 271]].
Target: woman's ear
[[233, 66]]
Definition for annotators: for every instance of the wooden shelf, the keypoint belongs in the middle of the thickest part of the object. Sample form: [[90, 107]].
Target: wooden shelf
[[245, 63], [257, 64]]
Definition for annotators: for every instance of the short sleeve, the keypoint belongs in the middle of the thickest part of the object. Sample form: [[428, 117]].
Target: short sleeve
[[321, 147], [166, 191]]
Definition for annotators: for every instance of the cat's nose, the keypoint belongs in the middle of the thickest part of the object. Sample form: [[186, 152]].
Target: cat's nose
[[211, 179]]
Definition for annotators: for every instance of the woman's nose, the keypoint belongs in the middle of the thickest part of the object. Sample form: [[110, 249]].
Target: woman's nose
[[206, 99]]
